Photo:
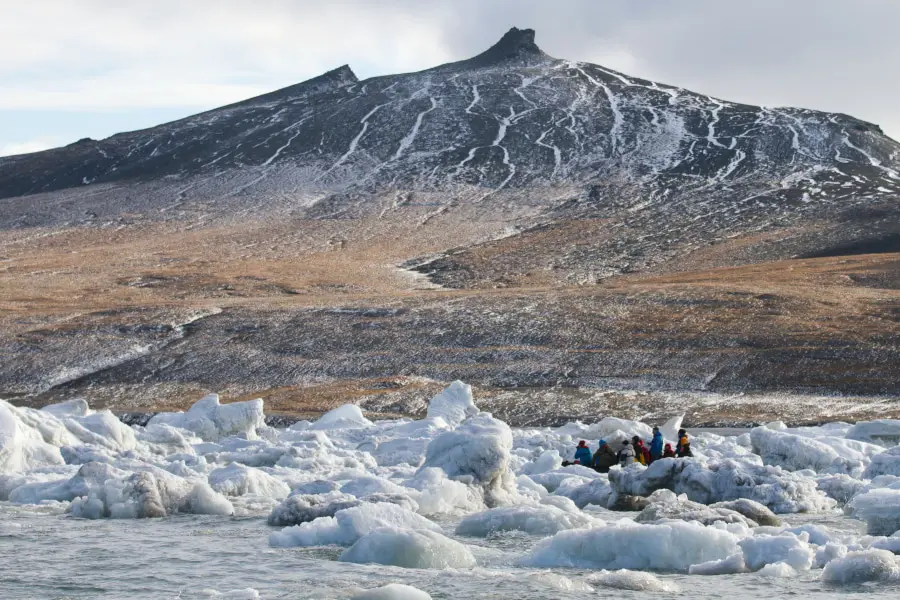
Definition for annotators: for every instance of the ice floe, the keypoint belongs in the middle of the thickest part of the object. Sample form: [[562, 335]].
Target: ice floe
[[436, 493]]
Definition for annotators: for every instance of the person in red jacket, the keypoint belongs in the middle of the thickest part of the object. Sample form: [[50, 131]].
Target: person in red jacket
[[641, 452], [668, 452]]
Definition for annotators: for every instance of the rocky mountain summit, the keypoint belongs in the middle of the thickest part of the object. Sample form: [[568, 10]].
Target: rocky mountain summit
[[497, 190]]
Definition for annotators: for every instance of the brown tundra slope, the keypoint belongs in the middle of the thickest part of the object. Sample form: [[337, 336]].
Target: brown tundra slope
[[572, 241]]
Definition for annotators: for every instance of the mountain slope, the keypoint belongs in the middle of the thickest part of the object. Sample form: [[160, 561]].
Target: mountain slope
[[512, 169]]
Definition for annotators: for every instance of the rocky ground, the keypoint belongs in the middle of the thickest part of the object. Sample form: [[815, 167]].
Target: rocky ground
[[544, 229]]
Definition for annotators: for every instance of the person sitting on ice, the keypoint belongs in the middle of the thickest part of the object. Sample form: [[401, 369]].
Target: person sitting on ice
[[626, 454], [656, 445], [641, 454], [668, 452], [583, 454], [684, 444], [604, 458]]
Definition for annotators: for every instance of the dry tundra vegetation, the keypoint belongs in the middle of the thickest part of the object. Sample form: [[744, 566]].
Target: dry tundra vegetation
[[572, 241]]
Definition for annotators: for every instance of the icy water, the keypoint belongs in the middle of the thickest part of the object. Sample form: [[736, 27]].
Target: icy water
[[48, 555]]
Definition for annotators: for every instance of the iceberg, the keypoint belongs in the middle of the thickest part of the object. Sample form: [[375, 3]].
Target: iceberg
[[411, 549], [477, 453], [534, 520], [863, 566], [393, 591], [212, 421], [349, 525], [454, 404], [671, 546]]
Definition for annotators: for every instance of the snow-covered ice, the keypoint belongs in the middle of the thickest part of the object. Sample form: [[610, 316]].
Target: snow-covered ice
[[459, 489]]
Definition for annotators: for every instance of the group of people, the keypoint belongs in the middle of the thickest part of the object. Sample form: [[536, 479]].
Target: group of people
[[634, 451]]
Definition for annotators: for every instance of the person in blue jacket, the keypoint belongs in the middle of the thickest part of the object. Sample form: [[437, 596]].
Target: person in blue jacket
[[583, 455], [656, 445]]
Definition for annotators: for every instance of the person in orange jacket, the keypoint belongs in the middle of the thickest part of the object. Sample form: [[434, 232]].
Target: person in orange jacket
[[683, 448]]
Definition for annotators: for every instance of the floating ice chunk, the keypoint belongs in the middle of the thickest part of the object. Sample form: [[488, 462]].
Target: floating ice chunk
[[89, 477], [723, 480], [780, 570], [319, 486], [670, 428], [762, 550], [611, 429], [147, 495], [885, 432], [245, 594], [880, 508], [816, 534], [752, 510], [391, 453], [349, 525], [534, 520], [891, 544], [557, 583], [165, 439], [597, 491], [859, 567], [393, 591], [569, 477], [348, 416], [546, 462], [203, 500], [454, 405], [840, 487], [637, 581], [886, 463], [527, 488], [240, 480], [412, 549], [22, 447], [212, 421], [668, 547], [303, 508], [102, 429], [797, 452], [477, 452], [441, 495], [366, 486], [77, 407], [562, 503], [51, 475], [726, 566], [667, 506], [829, 552]]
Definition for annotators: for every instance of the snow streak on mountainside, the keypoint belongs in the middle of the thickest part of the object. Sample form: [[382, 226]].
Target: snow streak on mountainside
[[513, 129]]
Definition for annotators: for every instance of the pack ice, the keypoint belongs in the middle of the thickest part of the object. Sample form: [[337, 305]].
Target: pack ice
[[417, 493]]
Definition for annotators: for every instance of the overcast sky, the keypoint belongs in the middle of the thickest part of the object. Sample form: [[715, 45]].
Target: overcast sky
[[90, 68]]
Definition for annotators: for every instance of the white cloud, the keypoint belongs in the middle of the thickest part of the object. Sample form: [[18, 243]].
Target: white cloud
[[36, 145], [105, 54]]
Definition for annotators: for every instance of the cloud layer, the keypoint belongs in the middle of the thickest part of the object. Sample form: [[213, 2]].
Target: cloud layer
[[103, 55]]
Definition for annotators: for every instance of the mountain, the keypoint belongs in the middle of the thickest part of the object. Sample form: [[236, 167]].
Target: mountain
[[481, 194]]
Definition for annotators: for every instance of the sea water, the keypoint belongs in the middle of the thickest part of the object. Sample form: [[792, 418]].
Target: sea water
[[47, 554]]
